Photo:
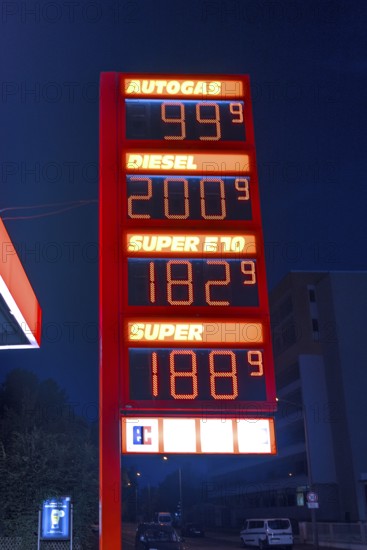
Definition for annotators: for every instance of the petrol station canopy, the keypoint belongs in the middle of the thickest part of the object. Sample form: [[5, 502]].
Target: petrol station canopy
[[20, 312]]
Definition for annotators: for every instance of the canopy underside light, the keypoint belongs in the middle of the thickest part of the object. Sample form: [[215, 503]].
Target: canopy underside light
[[20, 313]]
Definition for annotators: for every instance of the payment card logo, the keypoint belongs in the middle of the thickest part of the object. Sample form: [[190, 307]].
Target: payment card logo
[[142, 435]]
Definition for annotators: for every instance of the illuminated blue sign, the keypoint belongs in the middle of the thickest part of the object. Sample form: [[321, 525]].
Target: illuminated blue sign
[[56, 519]]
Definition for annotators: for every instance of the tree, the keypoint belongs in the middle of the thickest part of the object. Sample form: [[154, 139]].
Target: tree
[[45, 451]]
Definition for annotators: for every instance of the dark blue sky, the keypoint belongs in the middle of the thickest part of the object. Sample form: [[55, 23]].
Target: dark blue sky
[[307, 64]]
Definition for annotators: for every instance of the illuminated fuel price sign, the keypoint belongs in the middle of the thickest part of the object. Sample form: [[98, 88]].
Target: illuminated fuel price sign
[[193, 307], [184, 316]]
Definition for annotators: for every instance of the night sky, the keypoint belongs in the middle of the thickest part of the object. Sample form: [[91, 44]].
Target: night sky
[[307, 64]]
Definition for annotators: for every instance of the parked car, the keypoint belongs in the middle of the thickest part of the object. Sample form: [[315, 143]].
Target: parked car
[[264, 533], [151, 536], [140, 530], [164, 518], [192, 530]]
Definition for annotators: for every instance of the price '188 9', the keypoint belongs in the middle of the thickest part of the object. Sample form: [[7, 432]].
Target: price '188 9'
[[222, 372]]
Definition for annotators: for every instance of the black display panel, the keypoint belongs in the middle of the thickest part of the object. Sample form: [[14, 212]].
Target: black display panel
[[196, 374], [180, 120], [192, 282], [188, 197]]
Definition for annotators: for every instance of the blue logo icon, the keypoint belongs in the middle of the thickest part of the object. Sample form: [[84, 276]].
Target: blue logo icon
[[142, 435]]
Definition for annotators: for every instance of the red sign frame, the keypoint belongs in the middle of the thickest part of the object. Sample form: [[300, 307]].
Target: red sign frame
[[114, 224]]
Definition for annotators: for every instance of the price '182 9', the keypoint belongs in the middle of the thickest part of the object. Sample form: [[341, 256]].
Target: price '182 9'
[[192, 282]]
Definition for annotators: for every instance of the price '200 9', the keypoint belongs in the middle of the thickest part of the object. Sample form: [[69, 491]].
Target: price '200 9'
[[175, 194]]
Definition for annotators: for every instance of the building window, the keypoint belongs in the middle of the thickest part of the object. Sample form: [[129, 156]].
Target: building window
[[277, 343], [300, 498], [289, 334], [311, 294]]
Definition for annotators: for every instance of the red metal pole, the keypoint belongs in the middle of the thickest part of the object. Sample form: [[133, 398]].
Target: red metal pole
[[110, 450]]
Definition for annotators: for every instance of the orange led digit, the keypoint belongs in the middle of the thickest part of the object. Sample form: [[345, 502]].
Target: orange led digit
[[218, 375], [224, 282], [237, 110], [203, 199], [146, 197], [255, 358], [166, 186], [205, 120], [177, 375], [173, 283], [155, 383], [248, 267], [174, 119], [152, 294], [242, 186]]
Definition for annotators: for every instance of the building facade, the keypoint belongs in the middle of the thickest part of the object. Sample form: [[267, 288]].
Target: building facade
[[319, 322]]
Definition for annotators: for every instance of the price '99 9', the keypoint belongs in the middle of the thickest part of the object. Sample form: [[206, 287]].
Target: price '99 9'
[[170, 120]]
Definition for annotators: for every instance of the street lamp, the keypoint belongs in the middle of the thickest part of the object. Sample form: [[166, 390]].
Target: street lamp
[[179, 488], [134, 487], [146, 512], [315, 533], [138, 474]]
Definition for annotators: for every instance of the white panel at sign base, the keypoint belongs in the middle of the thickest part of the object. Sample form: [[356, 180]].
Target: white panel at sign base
[[254, 435], [179, 435], [198, 435], [216, 435]]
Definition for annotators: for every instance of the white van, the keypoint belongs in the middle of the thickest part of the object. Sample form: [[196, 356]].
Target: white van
[[267, 532]]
